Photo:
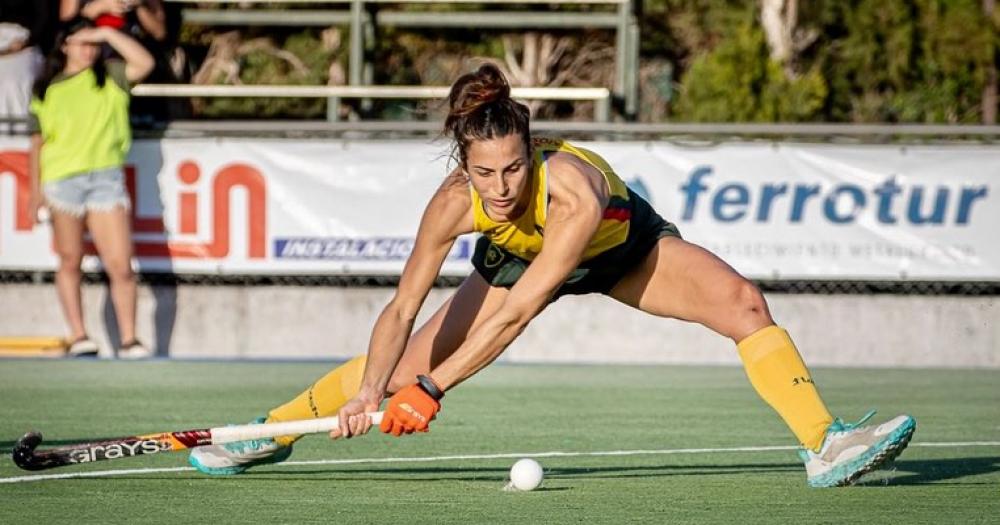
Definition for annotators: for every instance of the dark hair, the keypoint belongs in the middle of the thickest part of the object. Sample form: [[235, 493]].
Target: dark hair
[[480, 107], [55, 62]]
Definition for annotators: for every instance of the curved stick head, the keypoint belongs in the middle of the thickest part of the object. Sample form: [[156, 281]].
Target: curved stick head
[[24, 451]]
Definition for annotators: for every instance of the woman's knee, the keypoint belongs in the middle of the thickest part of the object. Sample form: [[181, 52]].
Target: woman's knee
[[417, 360], [119, 271], [749, 305], [69, 260], [404, 377]]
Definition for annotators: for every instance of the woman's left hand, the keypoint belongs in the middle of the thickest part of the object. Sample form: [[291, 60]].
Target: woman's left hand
[[409, 410]]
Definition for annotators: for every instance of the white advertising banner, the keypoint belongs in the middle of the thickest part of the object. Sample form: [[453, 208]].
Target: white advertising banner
[[791, 211], [773, 211]]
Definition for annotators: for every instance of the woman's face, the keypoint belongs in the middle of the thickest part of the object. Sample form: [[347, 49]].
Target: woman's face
[[80, 55], [499, 170]]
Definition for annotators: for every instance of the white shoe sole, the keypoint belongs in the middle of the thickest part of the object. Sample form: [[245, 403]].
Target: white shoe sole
[[134, 355], [90, 350], [898, 440]]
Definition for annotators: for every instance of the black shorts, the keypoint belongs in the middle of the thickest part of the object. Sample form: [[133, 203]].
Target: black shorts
[[597, 275]]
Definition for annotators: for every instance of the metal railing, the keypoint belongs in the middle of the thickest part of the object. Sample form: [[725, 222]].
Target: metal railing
[[875, 133], [600, 96], [490, 2], [363, 16]]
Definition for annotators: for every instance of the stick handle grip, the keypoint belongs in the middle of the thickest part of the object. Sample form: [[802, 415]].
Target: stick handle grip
[[286, 428]]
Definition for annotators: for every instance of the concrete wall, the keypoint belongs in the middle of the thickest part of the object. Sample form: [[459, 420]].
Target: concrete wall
[[290, 322]]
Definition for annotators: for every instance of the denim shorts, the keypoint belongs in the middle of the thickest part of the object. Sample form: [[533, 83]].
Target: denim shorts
[[98, 190]]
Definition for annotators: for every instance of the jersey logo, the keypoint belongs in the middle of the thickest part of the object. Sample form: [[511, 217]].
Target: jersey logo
[[494, 256]]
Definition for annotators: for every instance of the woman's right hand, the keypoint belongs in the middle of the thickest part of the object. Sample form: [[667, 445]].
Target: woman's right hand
[[353, 421]]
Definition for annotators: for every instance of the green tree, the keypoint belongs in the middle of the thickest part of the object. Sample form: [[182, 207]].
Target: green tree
[[906, 60], [301, 59], [955, 50], [738, 82]]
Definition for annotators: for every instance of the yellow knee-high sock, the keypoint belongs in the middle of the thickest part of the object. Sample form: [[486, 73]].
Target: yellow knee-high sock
[[777, 372], [323, 398]]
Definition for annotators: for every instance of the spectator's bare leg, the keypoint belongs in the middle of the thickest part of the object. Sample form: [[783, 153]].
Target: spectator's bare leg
[[67, 232], [113, 237]]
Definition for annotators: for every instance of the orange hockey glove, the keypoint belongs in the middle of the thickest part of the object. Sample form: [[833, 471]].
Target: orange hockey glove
[[412, 408]]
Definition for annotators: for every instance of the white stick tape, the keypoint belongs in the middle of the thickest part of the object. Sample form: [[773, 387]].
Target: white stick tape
[[287, 428]]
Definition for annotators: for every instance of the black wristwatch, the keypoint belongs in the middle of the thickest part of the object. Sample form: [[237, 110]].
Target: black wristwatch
[[427, 384]]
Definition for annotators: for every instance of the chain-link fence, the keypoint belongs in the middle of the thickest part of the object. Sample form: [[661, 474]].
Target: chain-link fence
[[822, 287]]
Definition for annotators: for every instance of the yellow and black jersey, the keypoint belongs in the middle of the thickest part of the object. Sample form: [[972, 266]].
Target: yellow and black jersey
[[525, 235]]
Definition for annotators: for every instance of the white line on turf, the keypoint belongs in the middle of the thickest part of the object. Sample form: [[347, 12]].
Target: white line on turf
[[550, 454], [92, 474]]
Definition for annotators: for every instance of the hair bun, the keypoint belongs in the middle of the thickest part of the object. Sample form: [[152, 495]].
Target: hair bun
[[472, 91], [480, 107]]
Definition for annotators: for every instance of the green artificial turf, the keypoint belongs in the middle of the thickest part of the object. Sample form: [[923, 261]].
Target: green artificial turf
[[516, 410]]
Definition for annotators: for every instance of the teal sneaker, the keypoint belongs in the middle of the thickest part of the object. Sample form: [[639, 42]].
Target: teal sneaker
[[234, 458], [850, 451]]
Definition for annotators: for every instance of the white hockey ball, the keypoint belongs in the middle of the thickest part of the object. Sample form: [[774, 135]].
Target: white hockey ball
[[526, 474]]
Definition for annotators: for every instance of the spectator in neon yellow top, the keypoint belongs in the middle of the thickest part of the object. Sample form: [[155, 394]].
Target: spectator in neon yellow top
[[80, 136]]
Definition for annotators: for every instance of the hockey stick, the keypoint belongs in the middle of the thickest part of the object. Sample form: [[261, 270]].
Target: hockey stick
[[26, 457]]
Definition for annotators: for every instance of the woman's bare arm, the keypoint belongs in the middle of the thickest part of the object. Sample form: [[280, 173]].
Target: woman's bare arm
[[446, 217], [578, 194]]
